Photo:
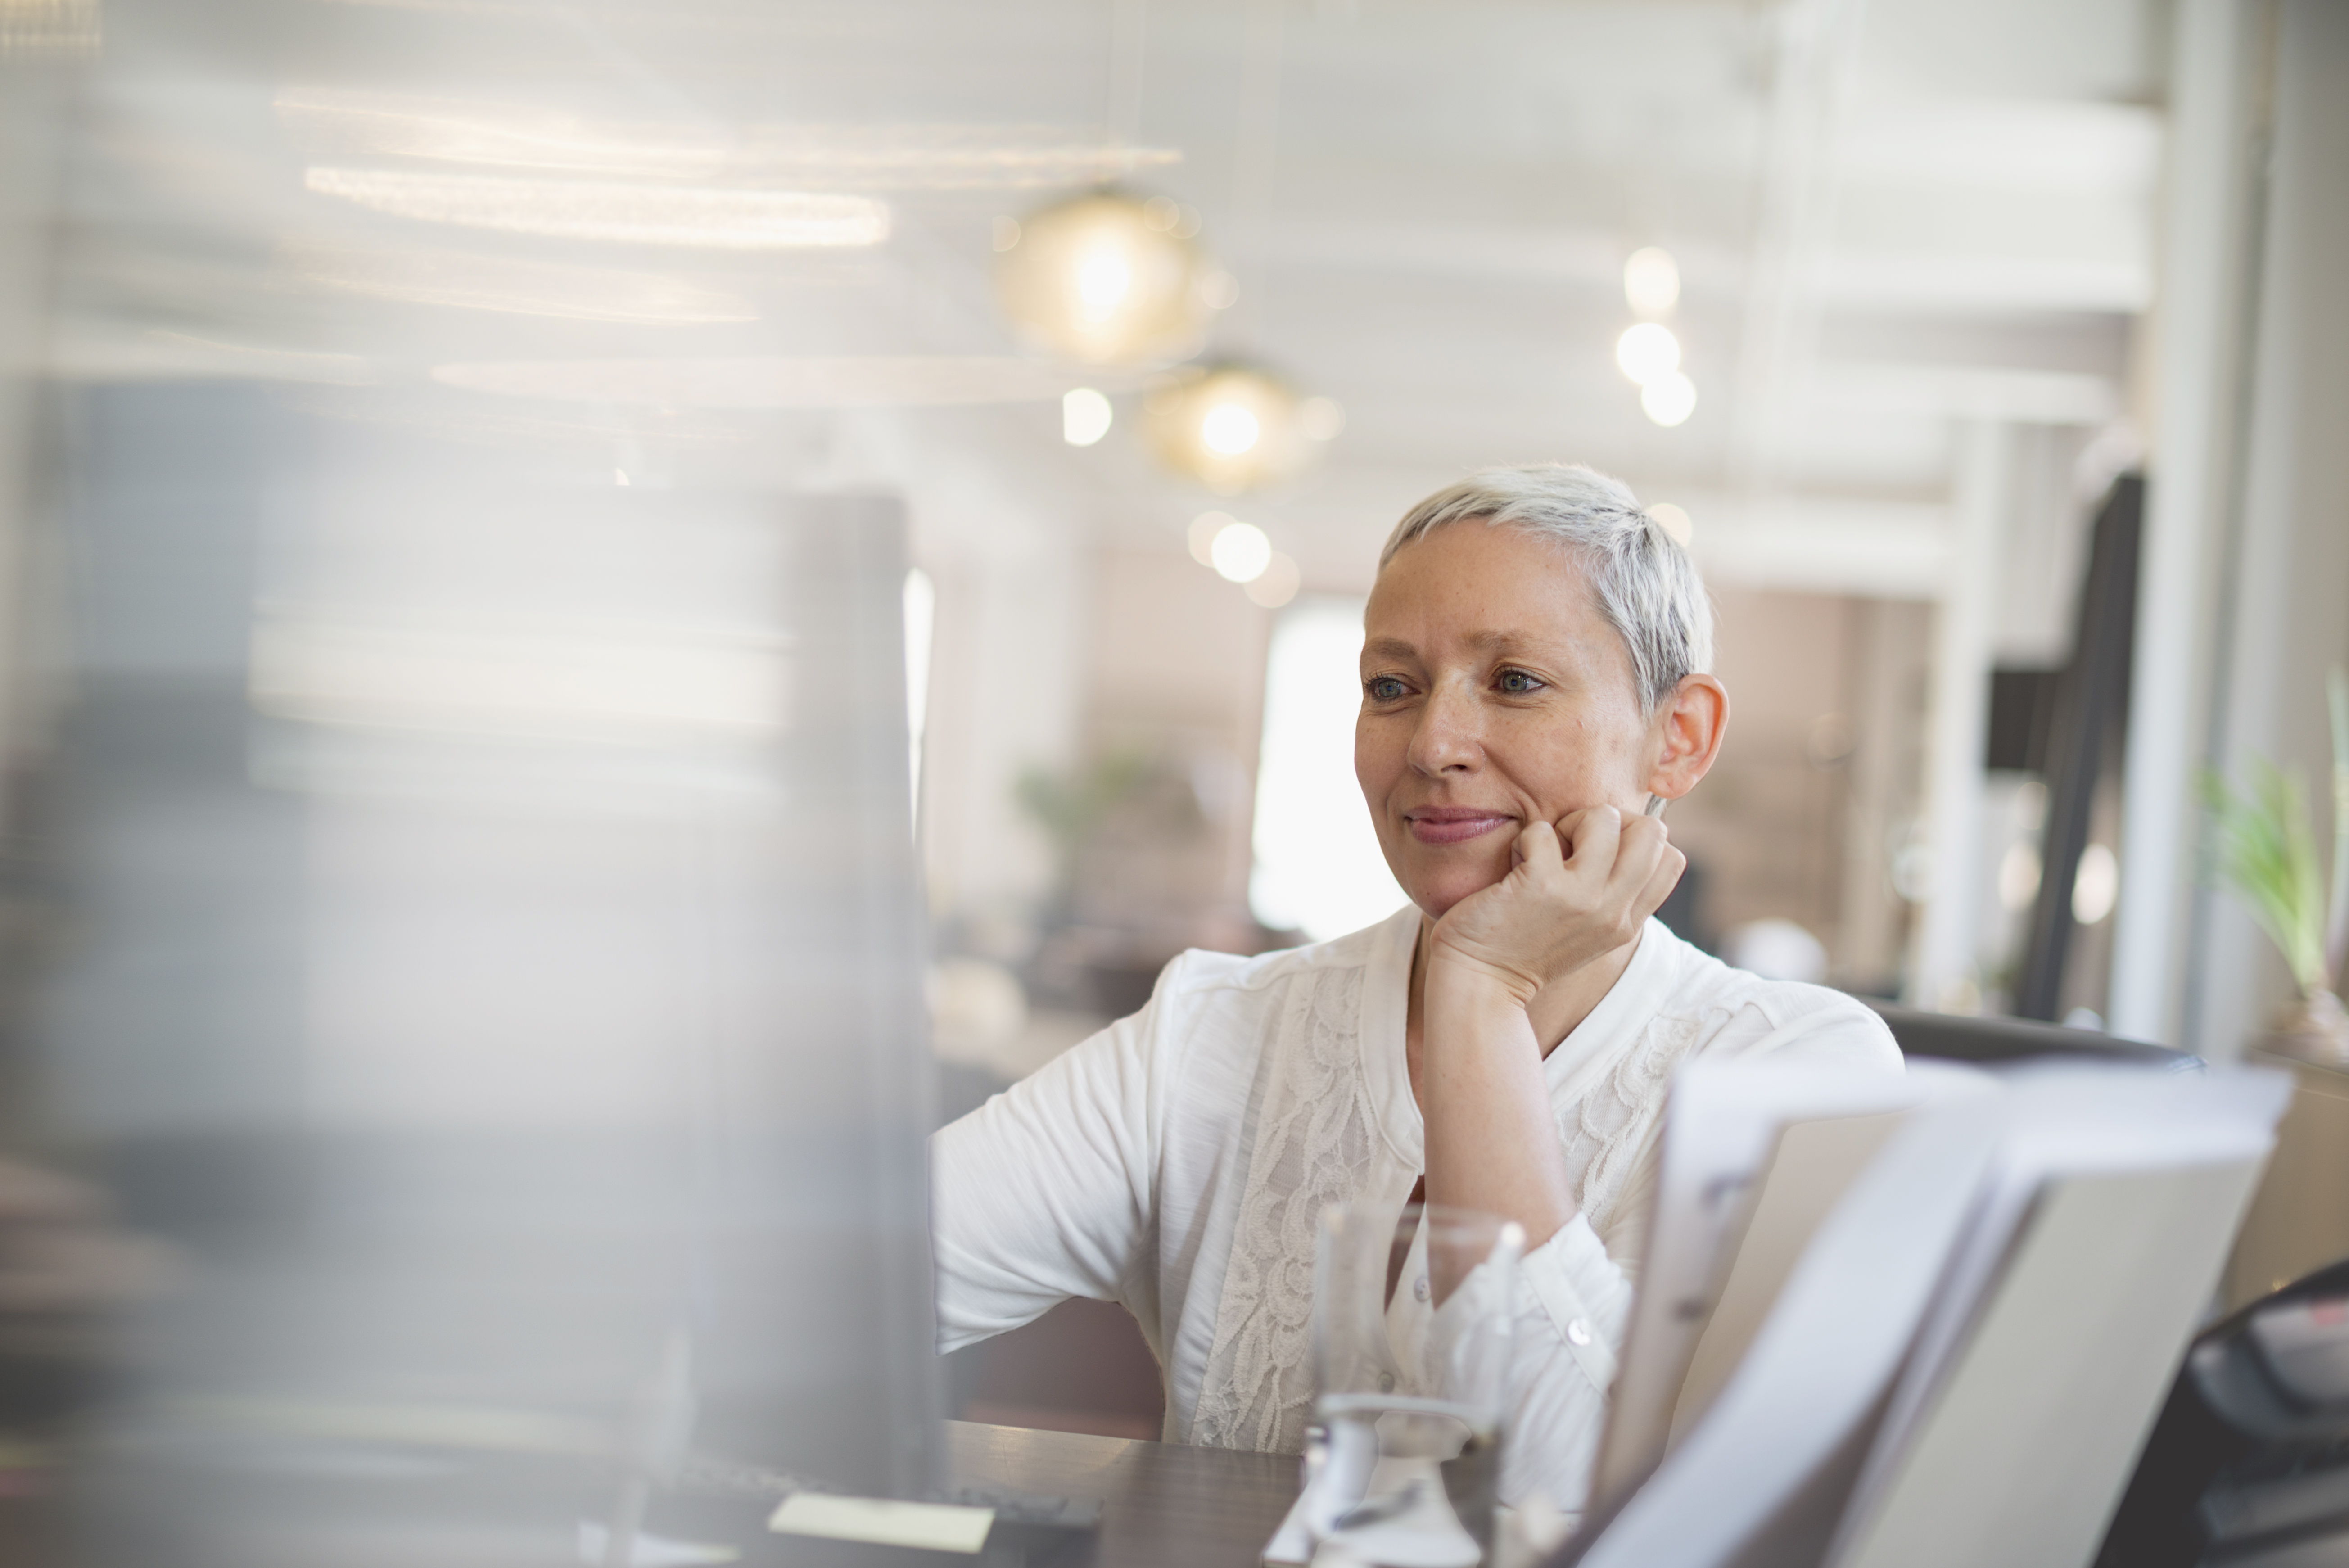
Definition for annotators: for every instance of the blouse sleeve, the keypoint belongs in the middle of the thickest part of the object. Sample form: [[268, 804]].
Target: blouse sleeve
[[1045, 1191], [1571, 1315]]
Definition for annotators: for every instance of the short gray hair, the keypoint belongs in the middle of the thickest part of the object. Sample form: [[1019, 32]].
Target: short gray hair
[[1645, 583]]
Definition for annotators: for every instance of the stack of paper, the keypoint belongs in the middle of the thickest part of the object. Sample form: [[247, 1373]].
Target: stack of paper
[[1756, 1154], [1969, 1307]]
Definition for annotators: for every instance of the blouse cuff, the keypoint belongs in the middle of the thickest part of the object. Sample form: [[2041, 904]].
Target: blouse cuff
[[1583, 1295]]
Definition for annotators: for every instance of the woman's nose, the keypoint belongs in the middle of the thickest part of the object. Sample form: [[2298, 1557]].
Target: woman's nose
[[1447, 737]]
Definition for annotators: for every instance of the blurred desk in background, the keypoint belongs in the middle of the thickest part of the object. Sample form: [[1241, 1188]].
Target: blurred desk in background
[[1166, 1505], [2299, 1219]]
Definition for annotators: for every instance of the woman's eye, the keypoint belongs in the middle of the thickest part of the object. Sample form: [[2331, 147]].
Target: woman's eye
[[1517, 681], [1384, 689]]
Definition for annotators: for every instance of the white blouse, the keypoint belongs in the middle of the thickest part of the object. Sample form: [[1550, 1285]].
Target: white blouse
[[1176, 1163]]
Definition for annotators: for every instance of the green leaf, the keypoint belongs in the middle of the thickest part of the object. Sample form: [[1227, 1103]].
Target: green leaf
[[2267, 854]]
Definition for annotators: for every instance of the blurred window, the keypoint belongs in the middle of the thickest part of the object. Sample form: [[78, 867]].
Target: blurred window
[[1318, 865]]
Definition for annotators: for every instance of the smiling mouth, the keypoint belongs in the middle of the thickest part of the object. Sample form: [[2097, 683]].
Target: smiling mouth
[[1453, 824]]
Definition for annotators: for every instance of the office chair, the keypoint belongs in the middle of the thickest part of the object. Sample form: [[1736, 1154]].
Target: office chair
[[1955, 1038]]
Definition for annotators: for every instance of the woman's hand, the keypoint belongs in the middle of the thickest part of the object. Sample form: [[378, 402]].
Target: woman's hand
[[1560, 908], [1492, 1144]]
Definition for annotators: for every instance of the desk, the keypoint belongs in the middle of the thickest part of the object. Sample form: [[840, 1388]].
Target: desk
[[1166, 1506]]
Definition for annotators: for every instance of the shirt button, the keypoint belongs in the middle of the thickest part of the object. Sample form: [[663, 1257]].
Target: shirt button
[[1579, 1332], [1386, 1382], [1419, 1290]]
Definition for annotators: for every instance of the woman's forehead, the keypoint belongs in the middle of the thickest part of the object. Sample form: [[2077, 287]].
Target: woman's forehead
[[1484, 587]]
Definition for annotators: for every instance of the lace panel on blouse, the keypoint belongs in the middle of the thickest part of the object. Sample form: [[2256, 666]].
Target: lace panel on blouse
[[1605, 1130], [1314, 1144]]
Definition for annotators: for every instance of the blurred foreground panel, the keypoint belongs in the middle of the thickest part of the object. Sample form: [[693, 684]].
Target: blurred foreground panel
[[491, 976]]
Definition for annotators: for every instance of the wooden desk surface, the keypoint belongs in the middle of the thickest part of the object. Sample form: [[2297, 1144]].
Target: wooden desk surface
[[1165, 1506]]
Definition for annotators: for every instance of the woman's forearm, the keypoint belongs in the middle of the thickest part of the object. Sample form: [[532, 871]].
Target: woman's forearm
[[1491, 1143]]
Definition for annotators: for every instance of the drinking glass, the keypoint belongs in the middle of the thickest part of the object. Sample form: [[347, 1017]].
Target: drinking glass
[[1413, 1311]]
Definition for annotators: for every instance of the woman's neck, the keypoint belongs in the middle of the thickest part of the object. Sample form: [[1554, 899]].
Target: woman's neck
[[1555, 1012]]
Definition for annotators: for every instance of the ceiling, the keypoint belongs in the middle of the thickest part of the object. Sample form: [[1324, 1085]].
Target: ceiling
[[1891, 217]]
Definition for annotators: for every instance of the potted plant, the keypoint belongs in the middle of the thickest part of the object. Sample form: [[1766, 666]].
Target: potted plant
[[2266, 853]]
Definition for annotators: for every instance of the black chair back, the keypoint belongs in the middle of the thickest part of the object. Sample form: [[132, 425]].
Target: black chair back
[[1958, 1038]]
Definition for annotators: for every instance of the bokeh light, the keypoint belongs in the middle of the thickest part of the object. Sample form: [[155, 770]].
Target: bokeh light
[[1276, 584], [1230, 426], [1104, 280], [1240, 552], [1651, 282], [1647, 351], [1669, 399], [1085, 416]]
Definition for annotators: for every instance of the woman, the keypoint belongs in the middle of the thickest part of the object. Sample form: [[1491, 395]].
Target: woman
[[1533, 673]]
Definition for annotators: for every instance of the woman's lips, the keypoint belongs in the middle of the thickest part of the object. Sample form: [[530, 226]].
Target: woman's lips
[[1452, 824]]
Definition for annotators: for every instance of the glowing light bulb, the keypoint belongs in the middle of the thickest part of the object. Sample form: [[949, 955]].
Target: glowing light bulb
[[1085, 417], [1670, 398], [1674, 521], [1647, 351], [1102, 280], [1230, 426], [1651, 282], [1241, 553], [1103, 283], [1230, 429]]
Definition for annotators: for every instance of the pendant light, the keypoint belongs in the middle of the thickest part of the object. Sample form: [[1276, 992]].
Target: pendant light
[[1232, 427], [1106, 279]]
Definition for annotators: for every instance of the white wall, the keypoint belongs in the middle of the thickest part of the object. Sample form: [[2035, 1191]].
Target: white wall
[[2247, 567], [2290, 617]]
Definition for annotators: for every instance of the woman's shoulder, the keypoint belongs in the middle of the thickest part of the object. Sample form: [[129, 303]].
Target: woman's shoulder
[[1211, 1014], [1752, 1013], [1199, 974]]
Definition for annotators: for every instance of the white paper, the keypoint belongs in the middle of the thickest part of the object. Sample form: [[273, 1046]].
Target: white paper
[[1722, 1126], [1960, 1369], [881, 1521], [1787, 1421], [2049, 1354]]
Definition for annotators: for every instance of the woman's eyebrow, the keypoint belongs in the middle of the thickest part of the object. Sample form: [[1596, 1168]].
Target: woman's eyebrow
[[1503, 641]]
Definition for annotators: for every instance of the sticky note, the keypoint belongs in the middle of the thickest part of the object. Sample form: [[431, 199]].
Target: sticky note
[[925, 1526]]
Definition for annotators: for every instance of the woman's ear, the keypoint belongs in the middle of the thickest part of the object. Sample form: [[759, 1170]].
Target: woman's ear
[[1689, 732]]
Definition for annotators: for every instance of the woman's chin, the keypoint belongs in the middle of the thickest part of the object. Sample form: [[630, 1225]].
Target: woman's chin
[[1436, 894]]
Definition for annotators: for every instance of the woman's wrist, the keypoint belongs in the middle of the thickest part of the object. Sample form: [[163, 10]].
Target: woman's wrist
[[1468, 999], [1476, 982]]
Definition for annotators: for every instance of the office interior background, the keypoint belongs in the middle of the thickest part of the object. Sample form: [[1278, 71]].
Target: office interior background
[[1992, 357]]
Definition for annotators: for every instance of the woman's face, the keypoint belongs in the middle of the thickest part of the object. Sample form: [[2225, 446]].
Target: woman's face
[[1493, 692]]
